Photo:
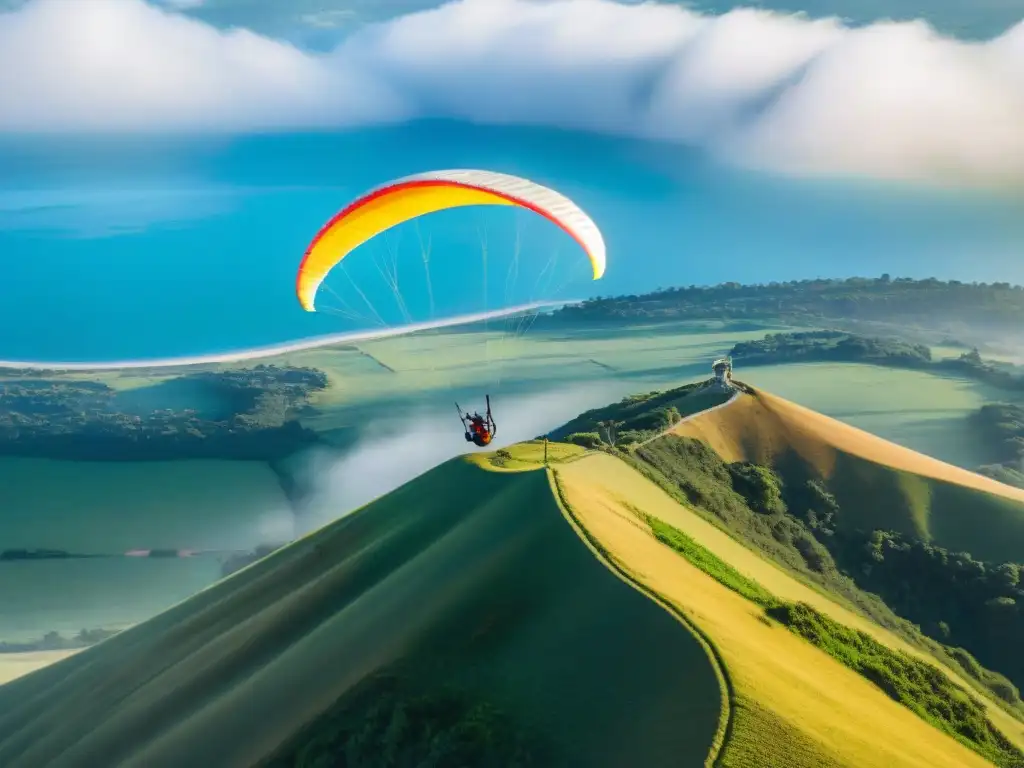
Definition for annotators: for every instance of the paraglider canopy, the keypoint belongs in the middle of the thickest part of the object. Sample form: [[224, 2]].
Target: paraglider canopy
[[412, 196]]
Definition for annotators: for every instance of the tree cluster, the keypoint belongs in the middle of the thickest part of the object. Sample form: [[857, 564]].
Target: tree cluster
[[71, 419], [830, 346], [631, 420], [956, 599], [1001, 426]]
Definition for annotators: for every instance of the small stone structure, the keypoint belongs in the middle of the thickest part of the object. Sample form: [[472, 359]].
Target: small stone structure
[[723, 374]]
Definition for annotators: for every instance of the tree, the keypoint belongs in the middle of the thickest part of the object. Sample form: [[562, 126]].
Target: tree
[[1006, 577], [760, 486], [610, 428]]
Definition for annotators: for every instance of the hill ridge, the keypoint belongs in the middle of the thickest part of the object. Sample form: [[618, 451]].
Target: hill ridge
[[608, 559], [871, 475]]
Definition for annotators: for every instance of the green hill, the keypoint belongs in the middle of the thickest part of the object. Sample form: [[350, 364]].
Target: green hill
[[457, 619]]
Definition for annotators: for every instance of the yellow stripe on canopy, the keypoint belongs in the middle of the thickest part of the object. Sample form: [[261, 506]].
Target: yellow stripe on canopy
[[393, 207], [420, 194]]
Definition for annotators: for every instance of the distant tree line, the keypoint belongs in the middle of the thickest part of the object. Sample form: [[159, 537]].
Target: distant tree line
[[54, 641], [842, 346], [1001, 426], [830, 346], [902, 300]]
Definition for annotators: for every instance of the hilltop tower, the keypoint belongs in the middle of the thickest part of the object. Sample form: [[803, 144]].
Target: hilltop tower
[[723, 373]]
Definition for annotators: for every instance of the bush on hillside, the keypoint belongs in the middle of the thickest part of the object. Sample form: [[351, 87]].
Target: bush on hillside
[[584, 439], [760, 486], [812, 503], [638, 417], [708, 562], [956, 599]]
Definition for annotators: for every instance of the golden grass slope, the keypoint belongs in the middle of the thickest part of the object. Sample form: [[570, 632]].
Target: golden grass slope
[[470, 573], [793, 704], [878, 484]]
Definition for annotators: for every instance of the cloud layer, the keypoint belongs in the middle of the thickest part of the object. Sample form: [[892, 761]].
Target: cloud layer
[[393, 453], [784, 93]]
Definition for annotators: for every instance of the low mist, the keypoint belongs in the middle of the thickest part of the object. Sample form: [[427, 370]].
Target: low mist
[[393, 452]]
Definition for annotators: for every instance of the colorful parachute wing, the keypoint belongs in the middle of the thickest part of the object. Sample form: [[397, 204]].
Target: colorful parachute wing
[[412, 196]]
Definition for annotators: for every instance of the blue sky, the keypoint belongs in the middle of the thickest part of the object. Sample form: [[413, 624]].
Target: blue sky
[[167, 167], [125, 248]]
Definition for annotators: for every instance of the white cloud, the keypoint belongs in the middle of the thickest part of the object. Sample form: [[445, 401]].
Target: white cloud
[[768, 90], [92, 65]]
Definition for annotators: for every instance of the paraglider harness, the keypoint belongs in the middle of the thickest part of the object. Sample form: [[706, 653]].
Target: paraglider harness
[[480, 430]]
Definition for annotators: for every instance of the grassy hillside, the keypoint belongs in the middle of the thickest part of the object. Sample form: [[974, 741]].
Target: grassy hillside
[[909, 680], [834, 519], [457, 619], [638, 417], [793, 704], [878, 484]]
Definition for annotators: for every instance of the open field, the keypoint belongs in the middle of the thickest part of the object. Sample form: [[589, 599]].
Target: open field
[[15, 665], [795, 706], [916, 409], [528, 455], [878, 483], [109, 508], [471, 577], [497, 357], [920, 410], [104, 507], [66, 596], [383, 389]]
